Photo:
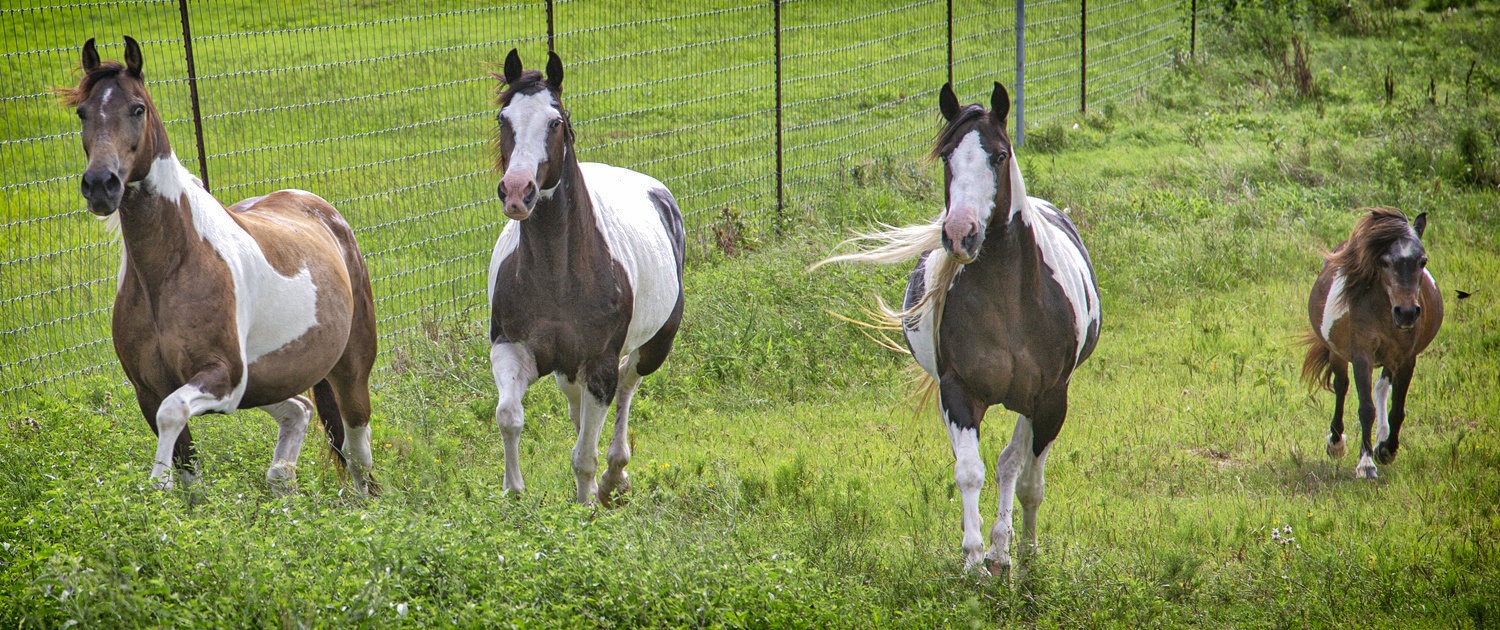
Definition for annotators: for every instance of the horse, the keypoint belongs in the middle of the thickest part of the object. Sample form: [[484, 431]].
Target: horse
[[1000, 309], [221, 309], [1373, 304], [587, 270]]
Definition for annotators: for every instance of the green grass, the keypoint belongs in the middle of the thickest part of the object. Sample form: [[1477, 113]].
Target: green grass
[[783, 478]]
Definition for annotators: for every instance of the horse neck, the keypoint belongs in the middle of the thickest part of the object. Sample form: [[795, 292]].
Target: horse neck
[[1014, 224], [156, 228], [561, 231]]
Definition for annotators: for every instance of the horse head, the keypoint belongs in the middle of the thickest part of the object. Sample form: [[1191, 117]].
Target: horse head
[[122, 131], [535, 135], [976, 154], [1400, 268]]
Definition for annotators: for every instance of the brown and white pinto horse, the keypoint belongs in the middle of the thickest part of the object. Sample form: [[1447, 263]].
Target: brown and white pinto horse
[[221, 309], [589, 269], [1373, 304], [1001, 308]]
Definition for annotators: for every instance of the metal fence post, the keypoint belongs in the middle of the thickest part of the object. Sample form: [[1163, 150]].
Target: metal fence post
[[1020, 104], [1083, 56], [950, 42], [192, 75], [550, 32], [1193, 37], [780, 188]]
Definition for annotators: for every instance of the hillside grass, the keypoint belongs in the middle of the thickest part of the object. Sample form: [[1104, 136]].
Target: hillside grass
[[784, 478]]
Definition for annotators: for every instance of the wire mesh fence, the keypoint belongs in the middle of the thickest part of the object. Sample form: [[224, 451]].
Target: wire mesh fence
[[752, 112]]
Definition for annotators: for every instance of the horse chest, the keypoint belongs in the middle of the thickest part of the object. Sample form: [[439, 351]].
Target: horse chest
[[563, 320]]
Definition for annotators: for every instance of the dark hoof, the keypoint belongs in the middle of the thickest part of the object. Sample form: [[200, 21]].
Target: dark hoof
[[1384, 455]]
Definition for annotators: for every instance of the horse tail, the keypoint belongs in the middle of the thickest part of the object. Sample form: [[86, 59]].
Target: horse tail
[[1317, 366], [333, 421]]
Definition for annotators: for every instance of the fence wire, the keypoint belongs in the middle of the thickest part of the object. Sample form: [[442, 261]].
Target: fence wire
[[387, 112]]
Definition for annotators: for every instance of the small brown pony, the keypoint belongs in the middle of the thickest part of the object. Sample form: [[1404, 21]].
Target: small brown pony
[[221, 309], [1374, 304]]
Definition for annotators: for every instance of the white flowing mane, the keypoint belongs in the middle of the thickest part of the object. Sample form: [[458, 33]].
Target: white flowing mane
[[894, 245]]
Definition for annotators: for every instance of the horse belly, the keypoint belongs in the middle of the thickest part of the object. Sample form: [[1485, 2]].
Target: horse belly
[[632, 227]]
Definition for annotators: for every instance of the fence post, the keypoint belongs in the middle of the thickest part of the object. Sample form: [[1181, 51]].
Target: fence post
[[1083, 56], [550, 32], [1193, 41], [780, 190], [1020, 104], [950, 42], [192, 72]]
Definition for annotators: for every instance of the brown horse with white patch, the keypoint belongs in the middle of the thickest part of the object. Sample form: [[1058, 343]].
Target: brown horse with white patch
[[1373, 304], [221, 309], [1008, 326]]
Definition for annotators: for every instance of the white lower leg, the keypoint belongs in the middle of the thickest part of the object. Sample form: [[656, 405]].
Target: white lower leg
[[1382, 399], [615, 478], [1030, 489], [171, 419], [1366, 467], [1335, 448], [514, 370], [968, 475], [586, 450], [292, 416], [357, 455], [1007, 469]]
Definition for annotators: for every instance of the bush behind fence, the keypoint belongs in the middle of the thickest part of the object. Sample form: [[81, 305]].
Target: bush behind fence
[[751, 112]]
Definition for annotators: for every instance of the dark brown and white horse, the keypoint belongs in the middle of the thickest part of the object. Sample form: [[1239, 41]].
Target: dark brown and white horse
[[1001, 309], [223, 309], [1373, 305], [588, 270]]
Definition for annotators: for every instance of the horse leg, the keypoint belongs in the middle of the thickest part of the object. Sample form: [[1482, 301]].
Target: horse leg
[[963, 414], [1051, 410], [1382, 396], [353, 395], [514, 370], [600, 379], [615, 480], [1007, 468], [174, 445], [574, 393], [1340, 390], [1388, 440], [292, 416], [1365, 469]]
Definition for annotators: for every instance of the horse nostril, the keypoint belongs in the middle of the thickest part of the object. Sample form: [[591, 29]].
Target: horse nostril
[[530, 195], [500, 190], [112, 185]]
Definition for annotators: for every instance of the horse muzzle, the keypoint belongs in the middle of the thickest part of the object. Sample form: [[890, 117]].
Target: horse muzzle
[[962, 237], [519, 196], [1405, 317], [103, 189]]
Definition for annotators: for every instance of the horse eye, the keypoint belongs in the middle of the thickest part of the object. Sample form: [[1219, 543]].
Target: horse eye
[[138, 111], [81, 115], [1422, 262], [556, 122]]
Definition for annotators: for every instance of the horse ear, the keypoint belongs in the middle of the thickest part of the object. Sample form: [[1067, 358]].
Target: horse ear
[[999, 103], [133, 60], [90, 56], [554, 70], [512, 66], [948, 102], [1420, 224]]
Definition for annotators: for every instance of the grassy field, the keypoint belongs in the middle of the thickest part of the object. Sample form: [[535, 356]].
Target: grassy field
[[783, 477]]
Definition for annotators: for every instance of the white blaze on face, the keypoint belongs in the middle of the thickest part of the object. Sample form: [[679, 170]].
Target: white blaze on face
[[529, 116], [104, 101], [973, 186]]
